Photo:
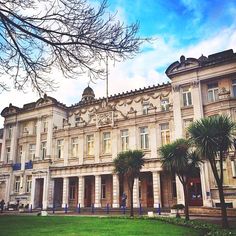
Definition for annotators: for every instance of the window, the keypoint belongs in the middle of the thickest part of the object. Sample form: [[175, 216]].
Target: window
[[144, 142], [8, 152], [213, 92], [165, 133], [59, 148], [45, 125], [187, 123], [173, 180], [72, 190], [32, 148], [17, 184], [90, 145], [124, 140], [145, 108], [103, 188], [28, 183], [74, 147], [9, 132], [187, 98], [106, 142], [234, 87], [165, 104], [43, 150]]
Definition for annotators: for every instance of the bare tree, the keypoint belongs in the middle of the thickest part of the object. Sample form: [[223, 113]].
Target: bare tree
[[36, 35]]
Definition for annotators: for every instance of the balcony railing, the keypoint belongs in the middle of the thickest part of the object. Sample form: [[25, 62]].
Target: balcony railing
[[29, 165], [16, 166]]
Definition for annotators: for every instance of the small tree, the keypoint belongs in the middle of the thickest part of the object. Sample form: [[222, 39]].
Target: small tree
[[178, 158], [213, 137], [128, 165]]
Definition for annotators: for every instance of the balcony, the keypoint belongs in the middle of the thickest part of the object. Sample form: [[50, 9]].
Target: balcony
[[29, 165], [16, 166]]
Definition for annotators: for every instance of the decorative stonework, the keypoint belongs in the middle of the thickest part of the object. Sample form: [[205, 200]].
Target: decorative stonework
[[105, 119]]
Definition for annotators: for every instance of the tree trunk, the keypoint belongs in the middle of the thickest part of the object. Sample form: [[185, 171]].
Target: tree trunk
[[225, 223], [186, 208], [131, 185]]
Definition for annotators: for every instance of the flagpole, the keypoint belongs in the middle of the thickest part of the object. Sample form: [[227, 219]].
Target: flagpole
[[107, 78]]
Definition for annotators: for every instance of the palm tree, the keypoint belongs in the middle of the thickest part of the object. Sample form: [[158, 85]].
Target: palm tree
[[128, 165], [178, 158], [213, 137]]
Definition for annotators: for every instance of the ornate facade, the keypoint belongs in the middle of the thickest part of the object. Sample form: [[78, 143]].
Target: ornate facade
[[53, 154]]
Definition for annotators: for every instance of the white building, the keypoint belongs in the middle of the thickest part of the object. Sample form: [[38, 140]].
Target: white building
[[53, 154]]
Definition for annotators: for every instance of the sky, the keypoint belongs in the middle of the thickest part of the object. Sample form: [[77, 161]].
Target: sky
[[183, 27]]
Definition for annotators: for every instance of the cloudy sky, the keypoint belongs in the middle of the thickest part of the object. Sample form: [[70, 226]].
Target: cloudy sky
[[183, 27]]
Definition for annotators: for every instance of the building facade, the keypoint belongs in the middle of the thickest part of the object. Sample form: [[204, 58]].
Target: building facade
[[58, 155]]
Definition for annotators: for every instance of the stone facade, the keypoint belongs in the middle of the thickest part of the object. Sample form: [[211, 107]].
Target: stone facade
[[58, 155]]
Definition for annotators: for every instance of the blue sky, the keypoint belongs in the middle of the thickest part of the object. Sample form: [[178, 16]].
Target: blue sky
[[184, 27]]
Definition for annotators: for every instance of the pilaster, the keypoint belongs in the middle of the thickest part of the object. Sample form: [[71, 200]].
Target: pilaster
[[49, 137], [136, 193], [3, 152], [38, 139]]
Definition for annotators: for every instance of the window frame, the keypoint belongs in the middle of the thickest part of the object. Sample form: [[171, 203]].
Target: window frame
[[90, 144], [74, 146], [59, 148], [28, 183], [124, 135], [17, 184], [32, 151], [144, 138], [106, 142], [187, 96], [43, 149], [165, 133], [213, 88]]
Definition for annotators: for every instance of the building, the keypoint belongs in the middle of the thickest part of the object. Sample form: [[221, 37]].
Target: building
[[53, 154]]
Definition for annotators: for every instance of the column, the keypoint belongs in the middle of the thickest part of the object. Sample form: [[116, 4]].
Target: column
[[38, 139], [97, 191], [81, 191], [49, 137], [197, 100], [51, 192], [233, 166], [156, 188], [3, 152], [65, 192], [65, 150], [205, 183], [115, 201], [180, 191], [13, 143], [114, 140], [96, 146], [178, 129], [153, 140], [136, 193], [82, 142], [32, 192], [132, 138], [45, 192]]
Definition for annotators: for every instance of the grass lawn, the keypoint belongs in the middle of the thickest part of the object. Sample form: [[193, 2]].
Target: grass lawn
[[73, 225]]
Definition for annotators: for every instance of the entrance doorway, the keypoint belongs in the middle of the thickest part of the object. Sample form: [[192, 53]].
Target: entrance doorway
[[58, 190], [195, 191], [39, 193], [89, 191]]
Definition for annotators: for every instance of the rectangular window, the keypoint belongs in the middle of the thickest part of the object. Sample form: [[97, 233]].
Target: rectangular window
[[144, 142], [165, 133], [213, 92], [90, 145], [8, 152], [187, 97], [43, 150], [28, 183], [165, 104], [44, 126], [72, 191], [106, 142], [103, 189], [187, 123], [9, 132], [74, 147], [124, 140], [17, 184], [234, 87], [59, 148], [145, 107], [32, 148]]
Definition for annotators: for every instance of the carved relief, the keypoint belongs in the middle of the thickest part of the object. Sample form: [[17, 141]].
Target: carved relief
[[176, 88], [105, 119]]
